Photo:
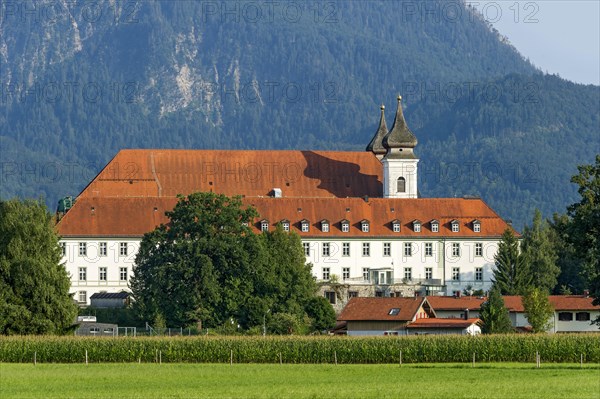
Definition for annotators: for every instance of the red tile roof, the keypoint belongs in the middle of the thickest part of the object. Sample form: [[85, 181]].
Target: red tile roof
[[378, 309], [442, 323], [166, 173], [455, 303], [558, 302], [121, 216]]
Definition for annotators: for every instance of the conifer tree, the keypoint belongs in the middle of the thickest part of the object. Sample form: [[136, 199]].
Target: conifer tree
[[539, 253], [494, 315], [511, 275]]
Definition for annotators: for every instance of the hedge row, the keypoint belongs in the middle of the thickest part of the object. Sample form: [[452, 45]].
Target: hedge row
[[415, 349]]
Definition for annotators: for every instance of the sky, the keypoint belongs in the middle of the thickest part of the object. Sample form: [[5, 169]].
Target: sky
[[558, 36]]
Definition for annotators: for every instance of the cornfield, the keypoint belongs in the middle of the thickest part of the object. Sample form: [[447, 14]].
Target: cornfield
[[343, 350]]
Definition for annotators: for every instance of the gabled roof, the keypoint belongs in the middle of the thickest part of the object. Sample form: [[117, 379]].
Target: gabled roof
[[558, 302], [378, 309], [166, 173], [110, 295], [442, 323], [455, 303], [136, 216]]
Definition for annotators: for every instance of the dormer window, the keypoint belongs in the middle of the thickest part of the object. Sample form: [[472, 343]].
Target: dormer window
[[396, 226], [417, 226], [364, 225], [264, 225], [455, 226], [304, 225], [435, 226], [325, 226], [476, 226], [345, 226], [285, 224]]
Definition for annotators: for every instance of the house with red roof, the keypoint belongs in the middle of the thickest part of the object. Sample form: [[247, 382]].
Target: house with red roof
[[365, 228]]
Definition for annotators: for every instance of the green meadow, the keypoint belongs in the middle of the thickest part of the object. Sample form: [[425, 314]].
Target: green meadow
[[185, 380]]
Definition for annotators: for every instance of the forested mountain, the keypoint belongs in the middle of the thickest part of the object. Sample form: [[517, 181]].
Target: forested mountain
[[82, 80]]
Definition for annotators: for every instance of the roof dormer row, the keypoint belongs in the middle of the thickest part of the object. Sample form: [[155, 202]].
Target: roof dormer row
[[344, 225]]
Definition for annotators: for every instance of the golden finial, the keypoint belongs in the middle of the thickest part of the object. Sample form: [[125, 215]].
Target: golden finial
[[382, 107], [399, 98]]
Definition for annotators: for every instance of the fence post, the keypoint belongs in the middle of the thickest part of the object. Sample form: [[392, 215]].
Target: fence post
[[280, 359], [34, 358], [335, 357], [159, 357], [473, 359], [231, 358], [400, 357], [581, 361], [86, 357]]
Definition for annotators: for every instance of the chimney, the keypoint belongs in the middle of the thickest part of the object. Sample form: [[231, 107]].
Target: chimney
[[586, 293], [466, 314]]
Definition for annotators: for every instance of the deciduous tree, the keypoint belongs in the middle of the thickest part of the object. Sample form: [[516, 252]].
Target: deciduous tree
[[538, 309], [34, 286]]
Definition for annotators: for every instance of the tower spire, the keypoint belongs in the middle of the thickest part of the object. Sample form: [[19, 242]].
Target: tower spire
[[400, 136], [376, 144]]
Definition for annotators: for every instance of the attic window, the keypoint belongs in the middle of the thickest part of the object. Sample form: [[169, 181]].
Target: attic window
[[455, 226], [396, 226], [394, 311], [305, 226], [435, 226], [476, 226], [417, 226], [264, 225], [325, 226], [285, 224], [364, 225], [345, 226]]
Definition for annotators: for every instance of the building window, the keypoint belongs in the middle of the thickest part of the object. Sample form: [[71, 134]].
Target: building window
[[417, 226], [408, 249], [401, 186], [285, 225], [582, 316], [387, 249], [408, 273], [325, 273], [305, 226], [103, 249], [455, 227], [366, 274], [306, 246], [82, 296], [366, 249], [326, 249], [352, 294], [478, 249], [476, 227], [345, 249], [330, 296], [63, 248], [82, 249], [428, 273], [396, 227], [264, 225], [346, 273], [435, 226], [325, 227], [479, 274], [394, 312], [83, 274], [365, 226], [455, 274], [123, 274], [455, 249], [102, 274], [565, 316], [428, 249], [122, 249], [345, 227]]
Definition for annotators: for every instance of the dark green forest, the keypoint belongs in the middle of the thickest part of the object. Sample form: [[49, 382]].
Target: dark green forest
[[79, 82]]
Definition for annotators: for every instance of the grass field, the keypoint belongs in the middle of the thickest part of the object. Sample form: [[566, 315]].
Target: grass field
[[132, 380]]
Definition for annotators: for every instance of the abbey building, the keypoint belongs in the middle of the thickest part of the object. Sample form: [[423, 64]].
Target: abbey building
[[364, 226]]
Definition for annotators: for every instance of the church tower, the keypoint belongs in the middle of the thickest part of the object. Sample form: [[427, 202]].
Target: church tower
[[376, 144], [399, 162]]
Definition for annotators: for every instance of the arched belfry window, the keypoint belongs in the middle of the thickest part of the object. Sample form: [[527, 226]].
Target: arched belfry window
[[401, 185]]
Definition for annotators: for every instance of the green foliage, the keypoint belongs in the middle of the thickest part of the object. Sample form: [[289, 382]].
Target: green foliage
[[573, 277], [321, 314], [207, 265], [34, 286], [124, 317], [494, 315], [511, 275], [286, 324], [538, 309], [539, 253], [557, 348]]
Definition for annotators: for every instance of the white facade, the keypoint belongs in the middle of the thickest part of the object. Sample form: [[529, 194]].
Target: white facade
[[98, 265], [399, 177]]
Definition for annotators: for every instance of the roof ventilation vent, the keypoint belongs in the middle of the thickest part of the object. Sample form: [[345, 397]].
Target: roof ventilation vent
[[277, 193]]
